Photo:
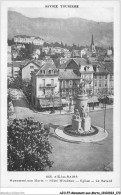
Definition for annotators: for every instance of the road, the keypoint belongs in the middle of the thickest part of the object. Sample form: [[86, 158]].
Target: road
[[71, 156]]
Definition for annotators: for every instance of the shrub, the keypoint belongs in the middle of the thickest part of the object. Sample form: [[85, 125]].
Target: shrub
[[28, 146]]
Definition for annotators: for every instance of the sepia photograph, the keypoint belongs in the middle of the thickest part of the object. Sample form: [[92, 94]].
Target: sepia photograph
[[60, 90]]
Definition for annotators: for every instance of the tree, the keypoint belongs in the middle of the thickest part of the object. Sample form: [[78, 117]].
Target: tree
[[27, 90], [42, 55], [28, 146], [16, 83], [24, 85], [10, 42]]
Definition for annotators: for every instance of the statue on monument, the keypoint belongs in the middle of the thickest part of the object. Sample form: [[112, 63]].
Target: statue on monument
[[82, 89], [82, 112], [76, 114]]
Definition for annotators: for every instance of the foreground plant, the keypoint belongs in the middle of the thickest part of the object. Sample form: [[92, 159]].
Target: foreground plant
[[28, 146]]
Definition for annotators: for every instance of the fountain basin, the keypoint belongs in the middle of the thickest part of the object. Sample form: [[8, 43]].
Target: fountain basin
[[69, 131]]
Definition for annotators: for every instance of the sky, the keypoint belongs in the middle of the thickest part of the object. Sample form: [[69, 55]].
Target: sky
[[93, 13]]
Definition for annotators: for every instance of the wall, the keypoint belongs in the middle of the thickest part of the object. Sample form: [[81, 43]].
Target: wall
[[39, 90], [26, 71]]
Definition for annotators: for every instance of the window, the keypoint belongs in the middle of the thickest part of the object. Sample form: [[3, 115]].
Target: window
[[99, 84], [43, 71], [52, 82], [100, 77], [111, 77], [95, 84], [70, 92], [105, 76], [49, 71], [52, 91], [95, 77], [70, 82], [85, 68], [94, 68], [31, 66], [63, 83], [44, 91], [105, 84], [43, 82]]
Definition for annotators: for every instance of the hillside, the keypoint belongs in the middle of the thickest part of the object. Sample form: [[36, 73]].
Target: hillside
[[71, 30]]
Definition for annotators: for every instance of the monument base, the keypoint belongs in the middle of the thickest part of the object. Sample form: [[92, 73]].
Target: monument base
[[81, 124], [86, 123], [76, 124]]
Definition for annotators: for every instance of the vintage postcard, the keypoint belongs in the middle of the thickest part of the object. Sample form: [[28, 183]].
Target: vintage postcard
[[60, 96]]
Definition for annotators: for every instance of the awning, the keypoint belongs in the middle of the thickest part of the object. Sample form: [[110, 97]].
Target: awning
[[93, 99], [46, 102]]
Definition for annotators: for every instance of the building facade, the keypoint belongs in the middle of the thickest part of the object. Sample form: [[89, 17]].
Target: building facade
[[28, 39], [45, 85], [13, 69], [28, 68], [84, 70], [69, 82], [102, 81]]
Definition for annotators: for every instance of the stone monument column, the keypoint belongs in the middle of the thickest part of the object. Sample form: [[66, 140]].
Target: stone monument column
[[83, 122]]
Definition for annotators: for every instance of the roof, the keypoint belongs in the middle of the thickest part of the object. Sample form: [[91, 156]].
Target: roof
[[109, 66], [108, 59], [37, 63], [16, 63], [57, 62], [67, 74], [78, 61], [48, 66], [62, 66], [102, 70], [9, 64]]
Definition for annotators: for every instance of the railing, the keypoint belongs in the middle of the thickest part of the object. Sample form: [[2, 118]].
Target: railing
[[68, 86], [48, 85]]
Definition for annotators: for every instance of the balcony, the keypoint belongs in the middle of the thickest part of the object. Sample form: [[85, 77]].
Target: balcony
[[68, 86], [48, 86]]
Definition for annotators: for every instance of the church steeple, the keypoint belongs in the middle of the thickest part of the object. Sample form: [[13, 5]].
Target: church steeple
[[92, 43]]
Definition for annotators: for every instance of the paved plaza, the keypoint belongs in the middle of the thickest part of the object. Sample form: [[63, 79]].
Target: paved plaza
[[93, 156]]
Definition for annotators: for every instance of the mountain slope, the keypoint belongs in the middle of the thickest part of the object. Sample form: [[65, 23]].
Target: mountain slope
[[71, 30]]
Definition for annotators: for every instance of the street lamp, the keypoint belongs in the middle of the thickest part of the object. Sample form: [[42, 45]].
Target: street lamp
[[105, 102]]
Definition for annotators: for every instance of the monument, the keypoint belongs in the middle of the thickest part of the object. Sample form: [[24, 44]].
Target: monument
[[81, 121], [80, 129]]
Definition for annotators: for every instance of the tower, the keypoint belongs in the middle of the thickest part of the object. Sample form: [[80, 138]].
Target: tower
[[92, 45]]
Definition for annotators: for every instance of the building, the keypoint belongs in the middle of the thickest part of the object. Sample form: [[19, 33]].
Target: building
[[24, 39], [76, 53], [9, 69], [48, 59], [84, 69], [9, 54], [109, 67], [45, 49], [13, 69], [52, 51], [109, 52], [69, 82], [28, 68], [67, 54], [58, 50], [45, 86], [83, 52], [101, 80]]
